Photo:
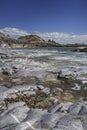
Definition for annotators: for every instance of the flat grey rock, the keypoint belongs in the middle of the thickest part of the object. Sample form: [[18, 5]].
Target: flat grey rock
[[19, 116], [78, 109], [70, 123], [15, 113], [60, 107]]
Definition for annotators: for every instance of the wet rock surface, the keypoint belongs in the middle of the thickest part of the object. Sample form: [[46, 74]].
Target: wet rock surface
[[59, 117], [81, 49], [35, 94]]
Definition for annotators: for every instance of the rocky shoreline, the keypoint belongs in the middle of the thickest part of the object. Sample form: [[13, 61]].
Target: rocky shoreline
[[34, 41], [81, 49], [34, 98], [61, 116]]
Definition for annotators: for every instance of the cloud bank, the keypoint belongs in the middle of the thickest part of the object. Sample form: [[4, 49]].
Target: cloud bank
[[14, 32], [64, 37]]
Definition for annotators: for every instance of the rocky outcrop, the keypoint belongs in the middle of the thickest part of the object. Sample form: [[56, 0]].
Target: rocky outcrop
[[61, 116], [6, 41], [81, 49], [2, 35], [29, 41]]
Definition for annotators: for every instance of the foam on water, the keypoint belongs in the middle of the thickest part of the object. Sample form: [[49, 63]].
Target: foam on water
[[69, 62]]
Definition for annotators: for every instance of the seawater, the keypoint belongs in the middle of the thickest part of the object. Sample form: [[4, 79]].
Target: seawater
[[40, 61], [57, 58]]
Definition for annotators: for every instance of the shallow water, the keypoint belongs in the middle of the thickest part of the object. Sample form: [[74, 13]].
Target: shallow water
[[45, 61], [55, 59]]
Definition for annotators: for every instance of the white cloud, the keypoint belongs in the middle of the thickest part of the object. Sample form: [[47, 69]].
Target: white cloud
[[64, 37], [56, 36], [14, 32]]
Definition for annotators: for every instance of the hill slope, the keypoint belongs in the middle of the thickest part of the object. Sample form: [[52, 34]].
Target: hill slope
[[30, 38], [28, 41]]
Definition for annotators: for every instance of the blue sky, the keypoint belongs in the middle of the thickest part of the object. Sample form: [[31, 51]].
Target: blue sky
[[42, 16]]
